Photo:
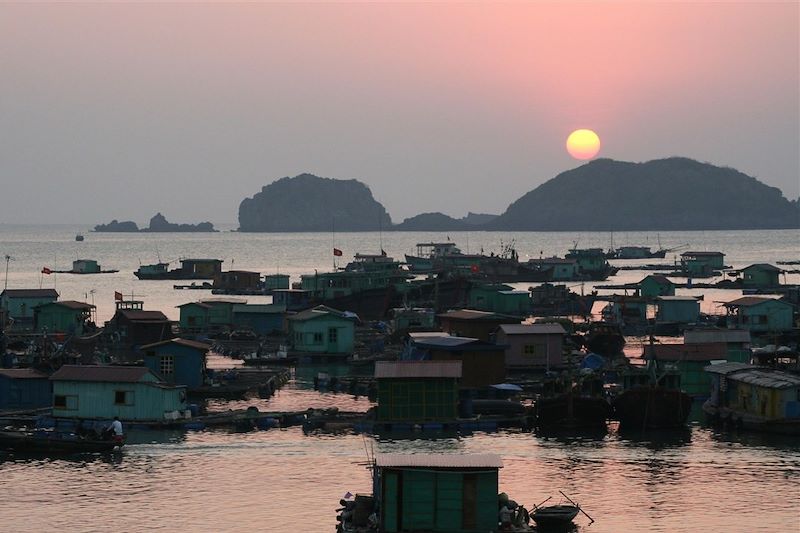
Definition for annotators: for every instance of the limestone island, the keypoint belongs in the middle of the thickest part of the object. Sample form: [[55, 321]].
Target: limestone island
[[158, 224]]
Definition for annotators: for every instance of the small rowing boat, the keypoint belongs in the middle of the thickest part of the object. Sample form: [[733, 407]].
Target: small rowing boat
[[53, 442]]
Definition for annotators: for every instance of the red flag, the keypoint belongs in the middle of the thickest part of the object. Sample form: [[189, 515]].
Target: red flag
[[474, 268], [337, 252], [46, 270], [118, 296]]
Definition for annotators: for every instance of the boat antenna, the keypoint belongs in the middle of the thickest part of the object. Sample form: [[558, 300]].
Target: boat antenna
[[158, 255], [333, 241]]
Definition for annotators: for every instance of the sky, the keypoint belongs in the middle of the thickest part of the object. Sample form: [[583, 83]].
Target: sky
[[122, 110]]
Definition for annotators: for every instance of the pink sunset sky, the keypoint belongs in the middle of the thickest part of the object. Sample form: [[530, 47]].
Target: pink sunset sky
[[188, 108]]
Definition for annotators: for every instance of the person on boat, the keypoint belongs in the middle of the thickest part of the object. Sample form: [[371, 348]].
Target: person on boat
[[115, 430]]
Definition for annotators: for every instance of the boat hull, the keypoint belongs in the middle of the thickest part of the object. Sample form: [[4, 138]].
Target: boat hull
[[585, 412], [732, 419], [652, 407], [52, 443]]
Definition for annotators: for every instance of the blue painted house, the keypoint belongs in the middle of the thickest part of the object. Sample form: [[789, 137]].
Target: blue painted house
[[177, 361], [263, 319], [133, 393], [24, 388], [20, 303]]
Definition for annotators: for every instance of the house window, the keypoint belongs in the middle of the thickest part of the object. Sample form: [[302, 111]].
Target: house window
[[530, 349], [65, 402], [167, 365], [317, 338], [333, 335], [123, 397], [192, 320]]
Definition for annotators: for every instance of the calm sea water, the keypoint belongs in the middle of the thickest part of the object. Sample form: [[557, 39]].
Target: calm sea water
[[282, 480]]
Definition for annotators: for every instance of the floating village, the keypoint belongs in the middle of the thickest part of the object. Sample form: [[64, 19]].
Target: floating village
[[442, 342]]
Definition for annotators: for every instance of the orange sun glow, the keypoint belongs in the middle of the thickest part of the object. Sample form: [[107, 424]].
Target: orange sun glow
[[583, 144]]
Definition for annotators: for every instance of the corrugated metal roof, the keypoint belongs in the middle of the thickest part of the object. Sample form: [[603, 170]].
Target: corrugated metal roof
[[72, 304], [198, 304], [702, 254], [703, 336], [677, 298], [417, 369], [30, 293], [472, 314], [121, 374], [320, 311], [533, 329], [658, 278], [415, 335], [445, 340], [22, 373], [182, 342], [749, 301], [756, 375], [428, 460], [762, 266]]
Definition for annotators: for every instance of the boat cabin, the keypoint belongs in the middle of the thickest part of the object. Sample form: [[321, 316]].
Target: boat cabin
[[237, 280], [560, 269], [437, 492], [201, 268], [85, 266]]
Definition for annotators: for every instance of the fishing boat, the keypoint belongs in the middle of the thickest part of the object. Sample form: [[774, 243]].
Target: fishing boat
[[605, 338], [557, 517], [53, 442], [651, 398], [79, 237], [190, 269], [573, 400]]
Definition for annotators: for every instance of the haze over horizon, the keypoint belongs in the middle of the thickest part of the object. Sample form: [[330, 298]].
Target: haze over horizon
[[123, 110]]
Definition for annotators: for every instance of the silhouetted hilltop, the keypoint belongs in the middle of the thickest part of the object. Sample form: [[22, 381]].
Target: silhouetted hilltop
[[310, 203], [478, 219], [663, 194], [432, 222], [157, 224]]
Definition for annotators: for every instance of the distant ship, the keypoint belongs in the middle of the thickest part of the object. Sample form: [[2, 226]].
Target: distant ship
[[79, 237]]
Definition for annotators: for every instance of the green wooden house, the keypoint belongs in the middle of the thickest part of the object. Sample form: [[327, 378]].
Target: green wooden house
[[276, 281], [702, 264], [20, 303], [194, 317], [680, 309], [66, 316], [656, 285], [437, 492], [500, 298], [760, 275], [322, 330], [417, 391], [133, 393], [760, 315]]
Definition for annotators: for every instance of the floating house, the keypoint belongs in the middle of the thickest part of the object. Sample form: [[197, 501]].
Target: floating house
[[201, 268], [24, 388], [238, 280], [274, 282], [736, 341], [263, 319], [500, 298], [483, 363], [293, 299], [680, 309], [691, 361], [702, 264], [194, 317], [132, 326], [64, 316], [626, 310], [177, 361], [220, 312], [760, 276], [592, 263], [472, 323], [407, 319], [322, 330], [85, 266], [757, 398], [417, 391], [759, 314], [437, 492], [656, 285], [133, 393], [20, 303], [532, 345]]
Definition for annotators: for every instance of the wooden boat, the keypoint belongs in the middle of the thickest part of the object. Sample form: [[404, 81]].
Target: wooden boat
[[555, 516], [53, 442], [573, 401], [652, 398], [79, 237]]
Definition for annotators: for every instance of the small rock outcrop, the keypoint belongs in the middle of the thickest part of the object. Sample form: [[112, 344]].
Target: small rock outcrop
[[157, 224], [127, 226]]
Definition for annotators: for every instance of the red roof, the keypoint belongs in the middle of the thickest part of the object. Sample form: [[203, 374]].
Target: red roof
[[116, 374]]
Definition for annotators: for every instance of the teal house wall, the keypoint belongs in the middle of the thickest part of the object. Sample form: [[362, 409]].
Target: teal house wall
[[263, 319], [760, 275], [103, 392], [24, 388], [656, 285], [322, 330], [177, 361], [438, 492], [760, 315], [194, 317], [20, 303], [682, 309], [62, 317]]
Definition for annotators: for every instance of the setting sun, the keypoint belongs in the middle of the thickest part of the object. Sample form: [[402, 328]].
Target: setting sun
[[583, 144]]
